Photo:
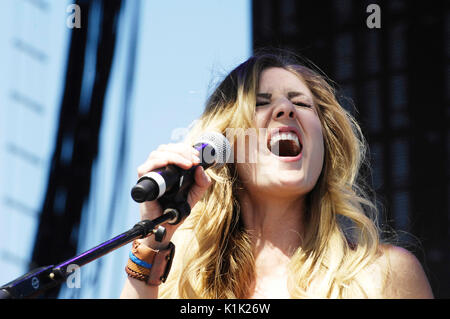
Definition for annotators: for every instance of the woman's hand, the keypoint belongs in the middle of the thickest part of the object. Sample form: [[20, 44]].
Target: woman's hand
[[183, 156]]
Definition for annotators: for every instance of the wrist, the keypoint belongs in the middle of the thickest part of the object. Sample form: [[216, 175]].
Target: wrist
[[152, 243], [149, 265]]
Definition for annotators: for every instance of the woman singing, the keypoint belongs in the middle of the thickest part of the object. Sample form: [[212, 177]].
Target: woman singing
[[287, 221]]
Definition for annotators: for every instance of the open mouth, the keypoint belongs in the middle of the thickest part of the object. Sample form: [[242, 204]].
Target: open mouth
[[284, 142]]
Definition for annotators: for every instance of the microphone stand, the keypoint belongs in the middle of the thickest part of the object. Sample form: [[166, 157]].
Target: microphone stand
[[175, 208], [41, 279]]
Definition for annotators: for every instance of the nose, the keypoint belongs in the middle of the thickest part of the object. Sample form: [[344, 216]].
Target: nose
[[283, 108]]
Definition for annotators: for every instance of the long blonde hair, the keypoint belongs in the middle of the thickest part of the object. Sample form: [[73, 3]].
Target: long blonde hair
[[214, 252]]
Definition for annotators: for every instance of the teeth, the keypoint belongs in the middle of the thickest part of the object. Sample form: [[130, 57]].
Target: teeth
[[284, 136]]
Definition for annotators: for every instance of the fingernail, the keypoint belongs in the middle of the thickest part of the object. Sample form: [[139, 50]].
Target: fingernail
[[195, 152], [187, 163], [196, 159]]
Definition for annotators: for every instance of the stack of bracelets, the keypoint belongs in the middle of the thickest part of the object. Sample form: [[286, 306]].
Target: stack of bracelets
[[150, 265]]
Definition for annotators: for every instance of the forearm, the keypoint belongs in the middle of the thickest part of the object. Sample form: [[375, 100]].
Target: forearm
[[136, 289]]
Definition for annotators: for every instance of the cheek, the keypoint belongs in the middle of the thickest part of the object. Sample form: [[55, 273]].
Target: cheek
[[311, 125], [263, 116], [318, 142], [313, 128], [318, 155]]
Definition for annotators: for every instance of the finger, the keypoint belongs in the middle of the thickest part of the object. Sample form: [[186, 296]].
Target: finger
[[161, 159], [187, 152], [201, 178], [202, 182], [179, 148]]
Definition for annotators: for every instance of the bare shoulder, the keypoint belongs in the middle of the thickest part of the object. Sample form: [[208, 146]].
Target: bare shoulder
[[405, 275]]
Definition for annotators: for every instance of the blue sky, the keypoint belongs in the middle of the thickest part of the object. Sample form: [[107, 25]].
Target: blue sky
[[184, 47], [33, 48]]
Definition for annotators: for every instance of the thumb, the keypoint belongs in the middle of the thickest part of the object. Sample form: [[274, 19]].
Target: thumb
[[202, 182]]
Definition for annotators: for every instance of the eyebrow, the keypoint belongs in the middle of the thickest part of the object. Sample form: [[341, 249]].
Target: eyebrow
[[290, 95], [294, 94]]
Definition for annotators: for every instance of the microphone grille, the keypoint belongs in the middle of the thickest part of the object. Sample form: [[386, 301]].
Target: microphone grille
[[220, 144]]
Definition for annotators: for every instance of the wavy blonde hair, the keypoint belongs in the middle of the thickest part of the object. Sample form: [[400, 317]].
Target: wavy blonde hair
[[214, 252]]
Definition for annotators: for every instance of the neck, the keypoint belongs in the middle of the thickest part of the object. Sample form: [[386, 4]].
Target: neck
[[276, 223]]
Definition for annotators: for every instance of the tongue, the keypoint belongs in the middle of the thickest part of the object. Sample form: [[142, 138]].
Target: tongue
[[286, 148]]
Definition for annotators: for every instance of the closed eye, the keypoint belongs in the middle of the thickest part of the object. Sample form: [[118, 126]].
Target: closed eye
[[261, 103], [302, 104]]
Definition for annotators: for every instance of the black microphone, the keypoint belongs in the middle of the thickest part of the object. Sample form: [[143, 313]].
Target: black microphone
[[214, 150]]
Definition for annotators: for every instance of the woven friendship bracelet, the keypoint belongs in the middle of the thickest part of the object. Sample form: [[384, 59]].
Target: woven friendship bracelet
[[137, 269], [136, 274]]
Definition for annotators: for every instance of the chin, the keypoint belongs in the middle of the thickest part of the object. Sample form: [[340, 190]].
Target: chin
[[288, 186]]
